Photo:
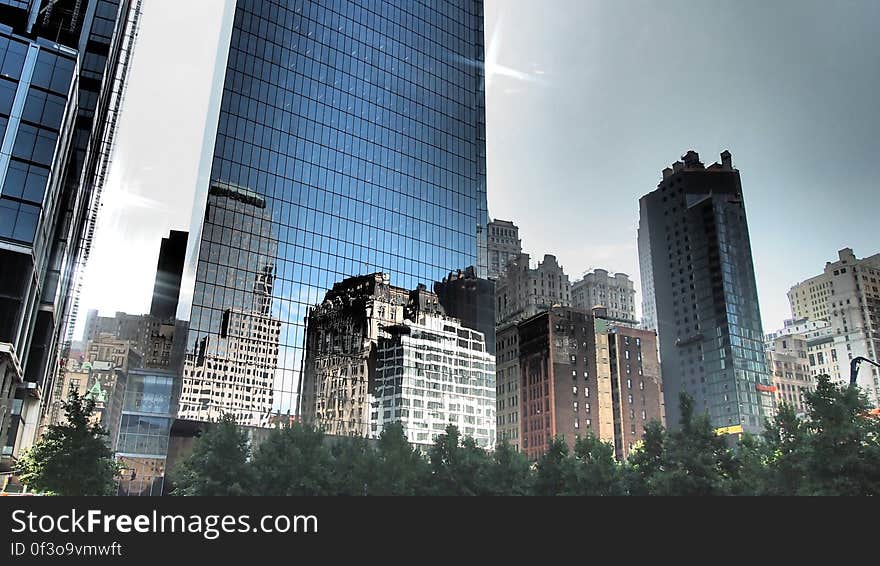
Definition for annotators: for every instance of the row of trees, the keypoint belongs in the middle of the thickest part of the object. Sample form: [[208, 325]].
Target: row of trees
[[834, 451]]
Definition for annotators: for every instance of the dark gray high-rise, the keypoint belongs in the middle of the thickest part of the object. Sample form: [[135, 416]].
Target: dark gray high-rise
[[169, 271], [699, 290], [356, 131]]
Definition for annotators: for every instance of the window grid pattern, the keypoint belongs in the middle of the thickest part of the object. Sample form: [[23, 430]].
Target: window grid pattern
[[353, 134]]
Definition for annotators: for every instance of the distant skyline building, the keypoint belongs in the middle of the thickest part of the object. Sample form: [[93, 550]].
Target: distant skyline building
[[821, 354], [520, 294], [504, 245], [599, 288], [698, 281], [847, 296], [362, 134], [787, 358], [524, 291]]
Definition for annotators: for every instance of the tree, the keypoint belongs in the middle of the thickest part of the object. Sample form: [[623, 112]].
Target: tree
[[293, 460], [218, 464], [353, 466], [509, 472], [458, 467], [554, 471], [595, 471], [750, 474], [842, 445], [72, 458], [785, 443], [645, 462], [695, 460], [400, 468]]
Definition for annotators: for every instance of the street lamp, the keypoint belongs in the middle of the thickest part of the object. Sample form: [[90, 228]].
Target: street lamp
[[854, 368]]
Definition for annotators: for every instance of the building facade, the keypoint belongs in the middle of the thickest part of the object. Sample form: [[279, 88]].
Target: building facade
[[144, 432], [525, 291], [566, 387], [520, 294], [431, 372], [55, 57], [614, 293], [37, 104], [847, 296], [362, 131], [819, 336], [700, 295], [636, 384], [504, 245], [787, 358]]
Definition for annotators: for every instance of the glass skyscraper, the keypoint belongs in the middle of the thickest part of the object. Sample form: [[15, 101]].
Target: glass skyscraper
[[57, 113], [352, 134], [700, 295]]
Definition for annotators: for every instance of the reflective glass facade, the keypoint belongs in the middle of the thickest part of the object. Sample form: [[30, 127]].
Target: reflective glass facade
[[144, 431], [351, 137], [696, 259]]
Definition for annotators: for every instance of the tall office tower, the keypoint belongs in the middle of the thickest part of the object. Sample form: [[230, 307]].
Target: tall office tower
[[54, 57], [615, 293], [521, 293], [504, 245], [847, 296], [361, 126], [471, 300], [636, 385], [169, 271], [431, 372], [787, 358], [700, 295]]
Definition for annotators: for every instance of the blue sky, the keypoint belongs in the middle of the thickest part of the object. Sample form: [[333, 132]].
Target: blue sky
[[587, 102]]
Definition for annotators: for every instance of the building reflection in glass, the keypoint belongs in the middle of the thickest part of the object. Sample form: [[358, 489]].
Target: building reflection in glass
[[350, 140]]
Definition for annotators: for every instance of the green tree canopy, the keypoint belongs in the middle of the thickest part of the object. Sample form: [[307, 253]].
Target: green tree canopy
[[71, 458], [459, 467], [400, 468], [594, 470], [509, 472], [293, 460], [218, 464], [554, 471]]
